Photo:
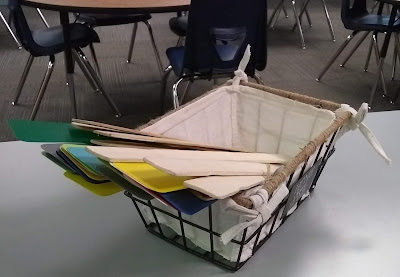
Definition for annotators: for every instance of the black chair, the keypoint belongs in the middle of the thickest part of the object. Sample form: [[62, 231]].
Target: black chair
[[7, 23], [48, 42], [356, 17], [97, 20], [217, 35]]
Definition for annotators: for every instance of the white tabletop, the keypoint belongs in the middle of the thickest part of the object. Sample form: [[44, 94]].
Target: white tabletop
[[349, 227]]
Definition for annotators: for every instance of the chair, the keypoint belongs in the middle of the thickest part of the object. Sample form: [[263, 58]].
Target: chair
[[7, 23], [217, 35], [4, 3], [97, 20], [48, 42], [275, 15], [357, 18]]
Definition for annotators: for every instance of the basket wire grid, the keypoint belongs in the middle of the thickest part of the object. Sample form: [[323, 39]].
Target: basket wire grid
[[184, 243]]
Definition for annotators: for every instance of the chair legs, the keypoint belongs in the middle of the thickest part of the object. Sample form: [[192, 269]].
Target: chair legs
[[258, 78], [185, 91], [43, 87], [10, 30], [394, 62], [175, 96], [303, 44], [397, 47], [164, 80], [380, 72], [359, 42], [328, 19], [156, 52], [84, 64], [153, 43], [132, 43], [42, 17], [23, 79], [95, 61], [338, 52]]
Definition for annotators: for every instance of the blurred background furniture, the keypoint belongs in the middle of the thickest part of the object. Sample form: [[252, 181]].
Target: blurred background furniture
[[216, 37], [357, 18], [49, 42]]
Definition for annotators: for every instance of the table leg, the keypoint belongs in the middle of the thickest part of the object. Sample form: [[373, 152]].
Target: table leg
[[69, 63]]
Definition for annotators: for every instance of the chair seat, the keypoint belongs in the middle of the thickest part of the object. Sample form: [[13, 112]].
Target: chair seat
[[178, 25], [175, 56], [94, 19], [51, 40], [371, 22]]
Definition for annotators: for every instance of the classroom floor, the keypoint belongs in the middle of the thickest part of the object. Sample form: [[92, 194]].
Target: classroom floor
[[135, 87]]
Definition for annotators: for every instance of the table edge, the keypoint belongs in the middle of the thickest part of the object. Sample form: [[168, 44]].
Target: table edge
[[118, 10]]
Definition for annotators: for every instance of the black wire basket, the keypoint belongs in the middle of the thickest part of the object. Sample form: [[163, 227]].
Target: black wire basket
[[305, 184]]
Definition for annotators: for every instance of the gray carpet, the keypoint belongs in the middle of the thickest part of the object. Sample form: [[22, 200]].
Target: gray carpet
[[135, 87]]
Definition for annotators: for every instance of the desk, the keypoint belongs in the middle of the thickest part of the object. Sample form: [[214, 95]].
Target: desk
[[349, 227], [100, 6]]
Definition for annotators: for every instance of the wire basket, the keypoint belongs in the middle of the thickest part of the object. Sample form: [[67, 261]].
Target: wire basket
[[300, 175], [308, 179]]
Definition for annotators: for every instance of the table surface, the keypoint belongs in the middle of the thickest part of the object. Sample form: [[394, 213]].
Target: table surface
[[349, 227], [119, 6]]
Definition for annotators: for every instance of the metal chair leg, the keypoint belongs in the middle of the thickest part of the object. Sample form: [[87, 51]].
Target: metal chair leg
[[81, 58], [156, 52], [42, 17], [23, 79], [10, 31], [258, 78], [371, 45], [179, 42], [164, 80], [374, 6], [361, 40], [71, 88], [303, 44], [186, 90], [328, 19], [303, 9], [175, 96], [375, 86], [307, 14], [394, 63], [43, 87], [86, 73], [338, 52], [397, 46], [132, 43], [272, 26], [274, 13], [377, 55], [285, 11], [95, 61]]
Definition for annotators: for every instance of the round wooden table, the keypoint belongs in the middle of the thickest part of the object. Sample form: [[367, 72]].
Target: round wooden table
[[110, 6], [101, 6]]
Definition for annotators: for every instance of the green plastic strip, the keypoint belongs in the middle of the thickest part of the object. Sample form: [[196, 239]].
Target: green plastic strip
[[42, 131]]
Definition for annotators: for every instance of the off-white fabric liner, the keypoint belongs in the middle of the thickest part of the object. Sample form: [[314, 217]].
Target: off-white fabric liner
[[248, 119]]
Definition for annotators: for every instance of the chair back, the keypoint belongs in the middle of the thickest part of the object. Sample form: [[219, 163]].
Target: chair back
[[22, 29], [351, 10], [218, 33]]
